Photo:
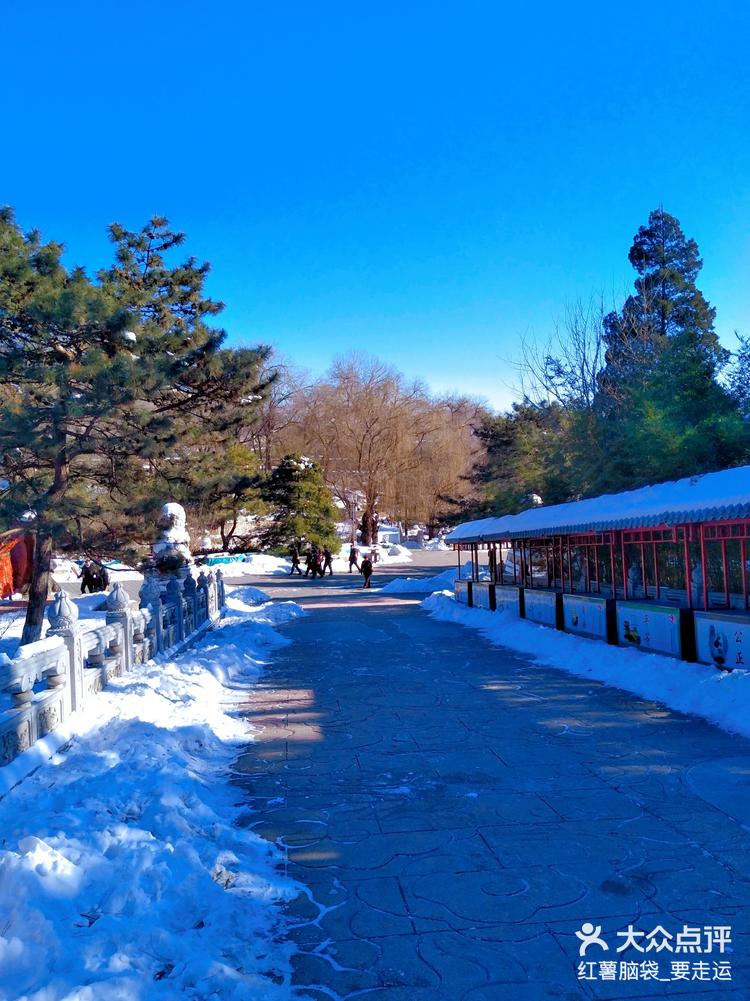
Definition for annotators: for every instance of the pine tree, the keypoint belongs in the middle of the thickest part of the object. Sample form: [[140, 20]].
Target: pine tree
[[661, 410], [302, 505], [100, 383]]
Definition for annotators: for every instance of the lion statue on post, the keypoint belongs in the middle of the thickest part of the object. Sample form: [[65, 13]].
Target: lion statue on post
[[171, 551]]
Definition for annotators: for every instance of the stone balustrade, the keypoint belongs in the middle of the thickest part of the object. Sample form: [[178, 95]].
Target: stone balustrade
[[48, 681]]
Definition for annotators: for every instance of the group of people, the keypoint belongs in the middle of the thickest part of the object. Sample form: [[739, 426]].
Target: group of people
[[318, 560], [93, 577]]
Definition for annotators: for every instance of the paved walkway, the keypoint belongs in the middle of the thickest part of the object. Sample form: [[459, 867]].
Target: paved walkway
[[455, 813]]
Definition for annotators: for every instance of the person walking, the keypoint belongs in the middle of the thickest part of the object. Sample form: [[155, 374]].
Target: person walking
[[294, 553], [309, 564], [353, 558], [327, 561], [318, 563], [367, 571]]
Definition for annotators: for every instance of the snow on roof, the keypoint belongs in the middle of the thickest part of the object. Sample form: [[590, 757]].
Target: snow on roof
[[709, 497]]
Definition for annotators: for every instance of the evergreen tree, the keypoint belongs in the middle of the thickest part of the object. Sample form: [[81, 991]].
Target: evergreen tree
[[661, 410], [100, 383], [302, 505], [527, 455], [739, 378]]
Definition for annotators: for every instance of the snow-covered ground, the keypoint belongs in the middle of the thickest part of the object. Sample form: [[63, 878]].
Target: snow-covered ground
[[714, 695], [424, 585], [127, 870], [254, 565]]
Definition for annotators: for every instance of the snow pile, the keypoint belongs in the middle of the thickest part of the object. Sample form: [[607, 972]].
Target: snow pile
[[717, 696], [429, 545], [128, 870], [425, 585], [398, 550], [386, 557], [435, 545], [244, 594], [252, 565]]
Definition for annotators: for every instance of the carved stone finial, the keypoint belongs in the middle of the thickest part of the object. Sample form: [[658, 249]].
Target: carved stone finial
[[118, 600], [63, 613], [150, 593]]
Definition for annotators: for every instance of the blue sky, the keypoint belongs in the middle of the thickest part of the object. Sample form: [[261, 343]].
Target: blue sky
[[427, 181]]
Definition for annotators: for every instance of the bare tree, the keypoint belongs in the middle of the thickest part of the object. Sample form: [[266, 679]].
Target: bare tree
[[269, 436], [566, 369]]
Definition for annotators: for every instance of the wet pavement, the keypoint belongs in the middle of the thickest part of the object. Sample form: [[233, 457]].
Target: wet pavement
[[454, 814]]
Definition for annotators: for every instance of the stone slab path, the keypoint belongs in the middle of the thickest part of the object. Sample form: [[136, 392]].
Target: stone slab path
[[454, 813]]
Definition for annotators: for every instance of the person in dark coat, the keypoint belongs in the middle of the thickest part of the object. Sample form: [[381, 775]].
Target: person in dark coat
[[353, 558], [294, 553], [309, 563], [88, 577], [367, 570], [327, 561], [318, 563], [102, 578]]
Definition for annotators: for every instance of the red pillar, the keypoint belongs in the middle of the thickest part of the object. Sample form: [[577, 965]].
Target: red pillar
[[686, 555], [704, 566]]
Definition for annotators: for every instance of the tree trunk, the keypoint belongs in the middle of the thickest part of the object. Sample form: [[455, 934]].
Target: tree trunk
[[38, 590], [369, 528]]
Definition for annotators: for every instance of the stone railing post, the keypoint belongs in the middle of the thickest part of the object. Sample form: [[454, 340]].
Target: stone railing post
[[202, 586], [118, 612], [211, 595], [150, 597], [191, 598], [221, 590], [63, 621], [174, 598]]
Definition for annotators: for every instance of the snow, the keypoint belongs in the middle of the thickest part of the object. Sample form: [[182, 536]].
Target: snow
[[91, 615], [245, 593], [398, 550], [128, 871], [424, 585], [254, 564], [385, 557], [717, 696], [697, 498], [435, 545]]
